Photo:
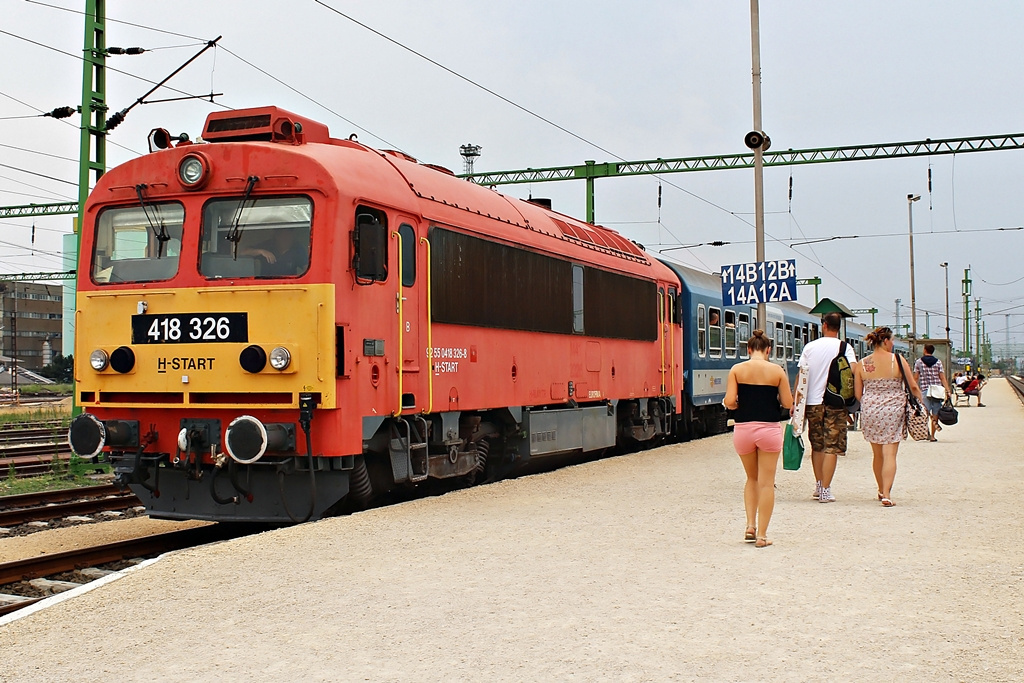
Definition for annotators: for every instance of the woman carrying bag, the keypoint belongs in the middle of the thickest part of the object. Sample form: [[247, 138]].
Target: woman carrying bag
[[758, 391], [879, 384]]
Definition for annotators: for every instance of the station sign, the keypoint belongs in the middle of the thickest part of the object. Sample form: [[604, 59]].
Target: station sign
[[963, 360], [760, 282]]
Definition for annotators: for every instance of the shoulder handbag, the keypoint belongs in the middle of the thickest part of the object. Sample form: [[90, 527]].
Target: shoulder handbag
[[936, 391], [947, 413], [916, 418], [792, 449]]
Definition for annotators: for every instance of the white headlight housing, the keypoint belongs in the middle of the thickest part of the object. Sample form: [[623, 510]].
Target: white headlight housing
[[280, 358], [192, 171], [99, 359]]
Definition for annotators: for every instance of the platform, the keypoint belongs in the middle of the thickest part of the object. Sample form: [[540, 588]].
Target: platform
[[630, 568]]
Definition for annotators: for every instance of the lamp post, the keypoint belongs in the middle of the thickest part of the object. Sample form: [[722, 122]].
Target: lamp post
[[911, 198], [945, 266]]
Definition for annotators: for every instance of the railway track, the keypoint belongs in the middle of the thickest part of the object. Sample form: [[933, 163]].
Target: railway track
[[47, 505], [30, 448], [35, 568], [1018, 385]]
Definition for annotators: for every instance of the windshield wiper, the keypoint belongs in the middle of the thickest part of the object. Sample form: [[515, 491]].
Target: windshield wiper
[[235, 233], [161, 234]]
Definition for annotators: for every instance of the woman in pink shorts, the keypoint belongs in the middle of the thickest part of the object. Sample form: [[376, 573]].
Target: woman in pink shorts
[[757, 392]]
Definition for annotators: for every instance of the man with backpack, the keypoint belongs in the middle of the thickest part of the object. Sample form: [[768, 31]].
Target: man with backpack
[[827, 400]]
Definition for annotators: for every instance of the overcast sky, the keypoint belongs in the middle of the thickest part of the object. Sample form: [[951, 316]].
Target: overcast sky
[[633, 80]]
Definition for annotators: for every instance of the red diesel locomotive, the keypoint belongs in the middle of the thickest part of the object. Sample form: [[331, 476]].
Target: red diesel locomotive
[[280, 325]]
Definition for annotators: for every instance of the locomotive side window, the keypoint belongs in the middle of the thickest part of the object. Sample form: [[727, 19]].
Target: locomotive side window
[[408, 254], [743, 334], [490, 284], [730, 334], [371, 246], [673, 300], [715, 332], [702, 331], [264, 237], [137, 244], [577, 299]]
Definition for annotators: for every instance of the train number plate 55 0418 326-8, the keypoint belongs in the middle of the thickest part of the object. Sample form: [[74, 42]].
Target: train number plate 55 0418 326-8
[[190, 328]]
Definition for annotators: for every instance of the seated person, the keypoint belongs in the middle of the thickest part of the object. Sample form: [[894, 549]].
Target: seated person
[[974, 389], [281, 252]]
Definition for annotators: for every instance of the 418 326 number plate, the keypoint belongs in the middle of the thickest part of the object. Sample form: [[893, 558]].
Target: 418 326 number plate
[[190, 328]]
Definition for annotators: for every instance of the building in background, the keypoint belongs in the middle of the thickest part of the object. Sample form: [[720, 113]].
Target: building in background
[[30, 322]]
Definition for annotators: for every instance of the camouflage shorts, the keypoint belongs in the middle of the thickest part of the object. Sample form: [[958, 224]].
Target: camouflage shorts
[[826, 429]]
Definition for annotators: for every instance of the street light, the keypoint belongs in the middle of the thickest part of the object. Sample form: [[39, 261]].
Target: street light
[[911, 198], [945, 266]]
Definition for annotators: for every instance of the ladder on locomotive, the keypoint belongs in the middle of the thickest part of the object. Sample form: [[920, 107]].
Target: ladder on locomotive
[[408, 449]]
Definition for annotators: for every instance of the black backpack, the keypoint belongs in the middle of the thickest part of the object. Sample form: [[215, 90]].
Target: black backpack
[[839, 391]]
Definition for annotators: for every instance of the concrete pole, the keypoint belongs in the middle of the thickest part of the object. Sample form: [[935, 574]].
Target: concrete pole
[[911, 198], [755, 59]]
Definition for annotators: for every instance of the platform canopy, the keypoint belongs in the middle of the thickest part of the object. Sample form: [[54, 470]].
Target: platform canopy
[[826, 306]]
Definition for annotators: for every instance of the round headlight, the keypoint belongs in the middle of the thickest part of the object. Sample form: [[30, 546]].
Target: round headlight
[[192, 171], [98, 360], [280, 358]]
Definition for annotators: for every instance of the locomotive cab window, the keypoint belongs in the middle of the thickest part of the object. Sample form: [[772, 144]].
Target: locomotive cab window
[[715, 332], [408, 236], [673, 299], [265, 237], [138, 244], [370, 260]]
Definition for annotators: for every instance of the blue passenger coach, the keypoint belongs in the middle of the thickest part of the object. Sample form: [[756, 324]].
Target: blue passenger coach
[[715, 338]]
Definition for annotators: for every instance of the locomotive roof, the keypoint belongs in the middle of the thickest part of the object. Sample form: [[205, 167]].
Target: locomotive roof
[[442, 196]]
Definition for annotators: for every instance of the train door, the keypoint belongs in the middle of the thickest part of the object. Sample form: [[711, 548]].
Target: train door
[[411, 306]]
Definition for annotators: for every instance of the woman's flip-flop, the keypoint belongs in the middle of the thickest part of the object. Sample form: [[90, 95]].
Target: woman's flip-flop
[[750, 534], [762, 543], [886, 503]]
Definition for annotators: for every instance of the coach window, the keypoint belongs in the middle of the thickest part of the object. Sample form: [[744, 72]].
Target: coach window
[[743, 334], [702, 331], [730, 334], [577, 299], [798, 340], [780, 342], [789, 341], [813, 332], [408, 236], [715, 332]]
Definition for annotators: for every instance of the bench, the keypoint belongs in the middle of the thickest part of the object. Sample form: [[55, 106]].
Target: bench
[[958, 394]]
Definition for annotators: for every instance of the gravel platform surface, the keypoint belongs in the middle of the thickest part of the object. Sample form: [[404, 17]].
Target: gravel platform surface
[[630, 569]]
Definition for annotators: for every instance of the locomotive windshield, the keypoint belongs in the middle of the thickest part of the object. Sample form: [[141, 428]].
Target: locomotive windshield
[[265, 237], [138, 244]]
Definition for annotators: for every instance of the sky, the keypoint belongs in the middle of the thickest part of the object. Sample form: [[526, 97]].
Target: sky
[[540, 84]]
